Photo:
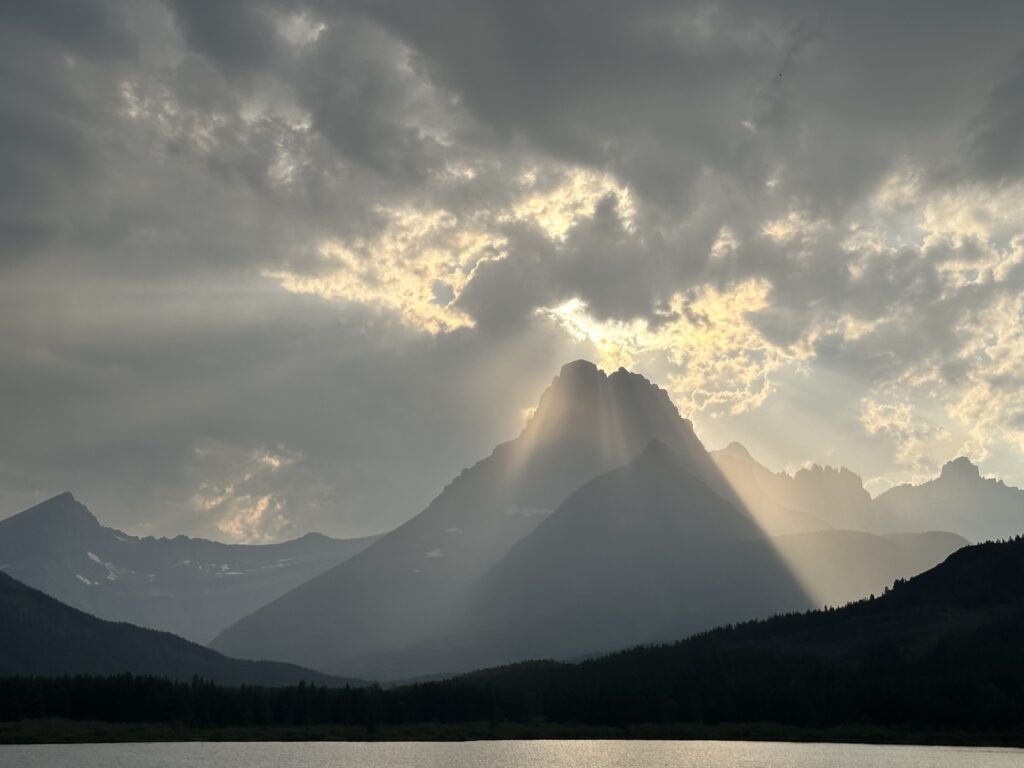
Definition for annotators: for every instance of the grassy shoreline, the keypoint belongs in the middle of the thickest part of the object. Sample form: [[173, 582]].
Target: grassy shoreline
[[82, 732]]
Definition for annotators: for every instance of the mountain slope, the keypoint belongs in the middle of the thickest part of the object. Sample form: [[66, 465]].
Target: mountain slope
[[958, 500], [192, 587], [412, 582], [42, 636], [935, 660], [940, 651], [815, 498], [836, 567], [646, 553]]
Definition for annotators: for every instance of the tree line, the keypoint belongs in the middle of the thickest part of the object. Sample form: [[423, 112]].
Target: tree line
[[958, 686], [938, 652]]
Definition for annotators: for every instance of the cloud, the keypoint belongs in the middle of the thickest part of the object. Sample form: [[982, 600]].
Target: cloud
[[415, 268], [348, 228], [238, 492], [919, 443], [718, 363], [419, 262]]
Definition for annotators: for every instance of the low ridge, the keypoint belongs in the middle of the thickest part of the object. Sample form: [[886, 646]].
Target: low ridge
[[44, 637]]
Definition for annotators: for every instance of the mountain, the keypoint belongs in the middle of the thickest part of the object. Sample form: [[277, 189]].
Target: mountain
[[644, 552], [605, 523], [836, 567], [649, 552], [959, 500], [815, 498], [937, 653], [411, 583], [936, 659], [42, 636], [192, 587]]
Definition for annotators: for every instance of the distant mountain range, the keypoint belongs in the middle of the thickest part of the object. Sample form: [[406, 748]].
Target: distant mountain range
[[783, 503], [605, 523], [192, 587], [42, 636], [959, 501]]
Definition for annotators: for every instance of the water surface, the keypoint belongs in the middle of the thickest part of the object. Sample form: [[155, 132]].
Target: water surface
[[505, 754]]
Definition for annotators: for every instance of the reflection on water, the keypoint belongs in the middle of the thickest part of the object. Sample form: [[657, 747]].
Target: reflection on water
[[506, 754]]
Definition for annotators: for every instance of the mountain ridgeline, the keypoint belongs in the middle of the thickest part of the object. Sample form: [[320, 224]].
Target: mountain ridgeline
[[958, 501], [411, 587], [605, 523], [937, 657], [43, 637], [192, 587]]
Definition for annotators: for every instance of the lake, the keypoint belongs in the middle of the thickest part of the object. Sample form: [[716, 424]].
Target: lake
[[505, 754]]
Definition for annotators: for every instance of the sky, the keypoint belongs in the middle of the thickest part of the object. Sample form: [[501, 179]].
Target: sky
[[272, 267]]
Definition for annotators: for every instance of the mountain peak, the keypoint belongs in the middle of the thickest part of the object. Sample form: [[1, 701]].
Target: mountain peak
[[960, 467], [737, 450], [64, 506], [580, 367], [623, 408]]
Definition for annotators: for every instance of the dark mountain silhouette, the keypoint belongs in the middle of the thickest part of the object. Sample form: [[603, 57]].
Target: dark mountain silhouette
[[958, 500], [410, 585], [646, 553], [42, 636], [192, 587], [940, 651]]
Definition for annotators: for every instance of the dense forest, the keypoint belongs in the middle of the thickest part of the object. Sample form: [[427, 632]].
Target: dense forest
[[940, 651]]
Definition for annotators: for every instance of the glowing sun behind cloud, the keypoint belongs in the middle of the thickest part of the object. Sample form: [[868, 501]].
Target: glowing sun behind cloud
[[719, 363]]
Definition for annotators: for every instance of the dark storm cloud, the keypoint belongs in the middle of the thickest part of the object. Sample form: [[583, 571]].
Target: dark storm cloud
[[996, 149], [236, 34]]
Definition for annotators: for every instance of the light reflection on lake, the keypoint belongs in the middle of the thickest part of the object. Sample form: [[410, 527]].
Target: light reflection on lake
[[506, 754]]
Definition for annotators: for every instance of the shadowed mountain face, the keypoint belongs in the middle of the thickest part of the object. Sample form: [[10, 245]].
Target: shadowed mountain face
[[959, 500], [940, 652], [192, 587], [645, 552], [42, 636], [837, 567], [414, 581]]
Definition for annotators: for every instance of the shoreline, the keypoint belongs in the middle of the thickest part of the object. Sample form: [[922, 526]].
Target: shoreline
[[86, 732]]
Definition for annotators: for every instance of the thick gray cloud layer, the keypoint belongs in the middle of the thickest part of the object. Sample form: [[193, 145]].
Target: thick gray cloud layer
[[271, 266]]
